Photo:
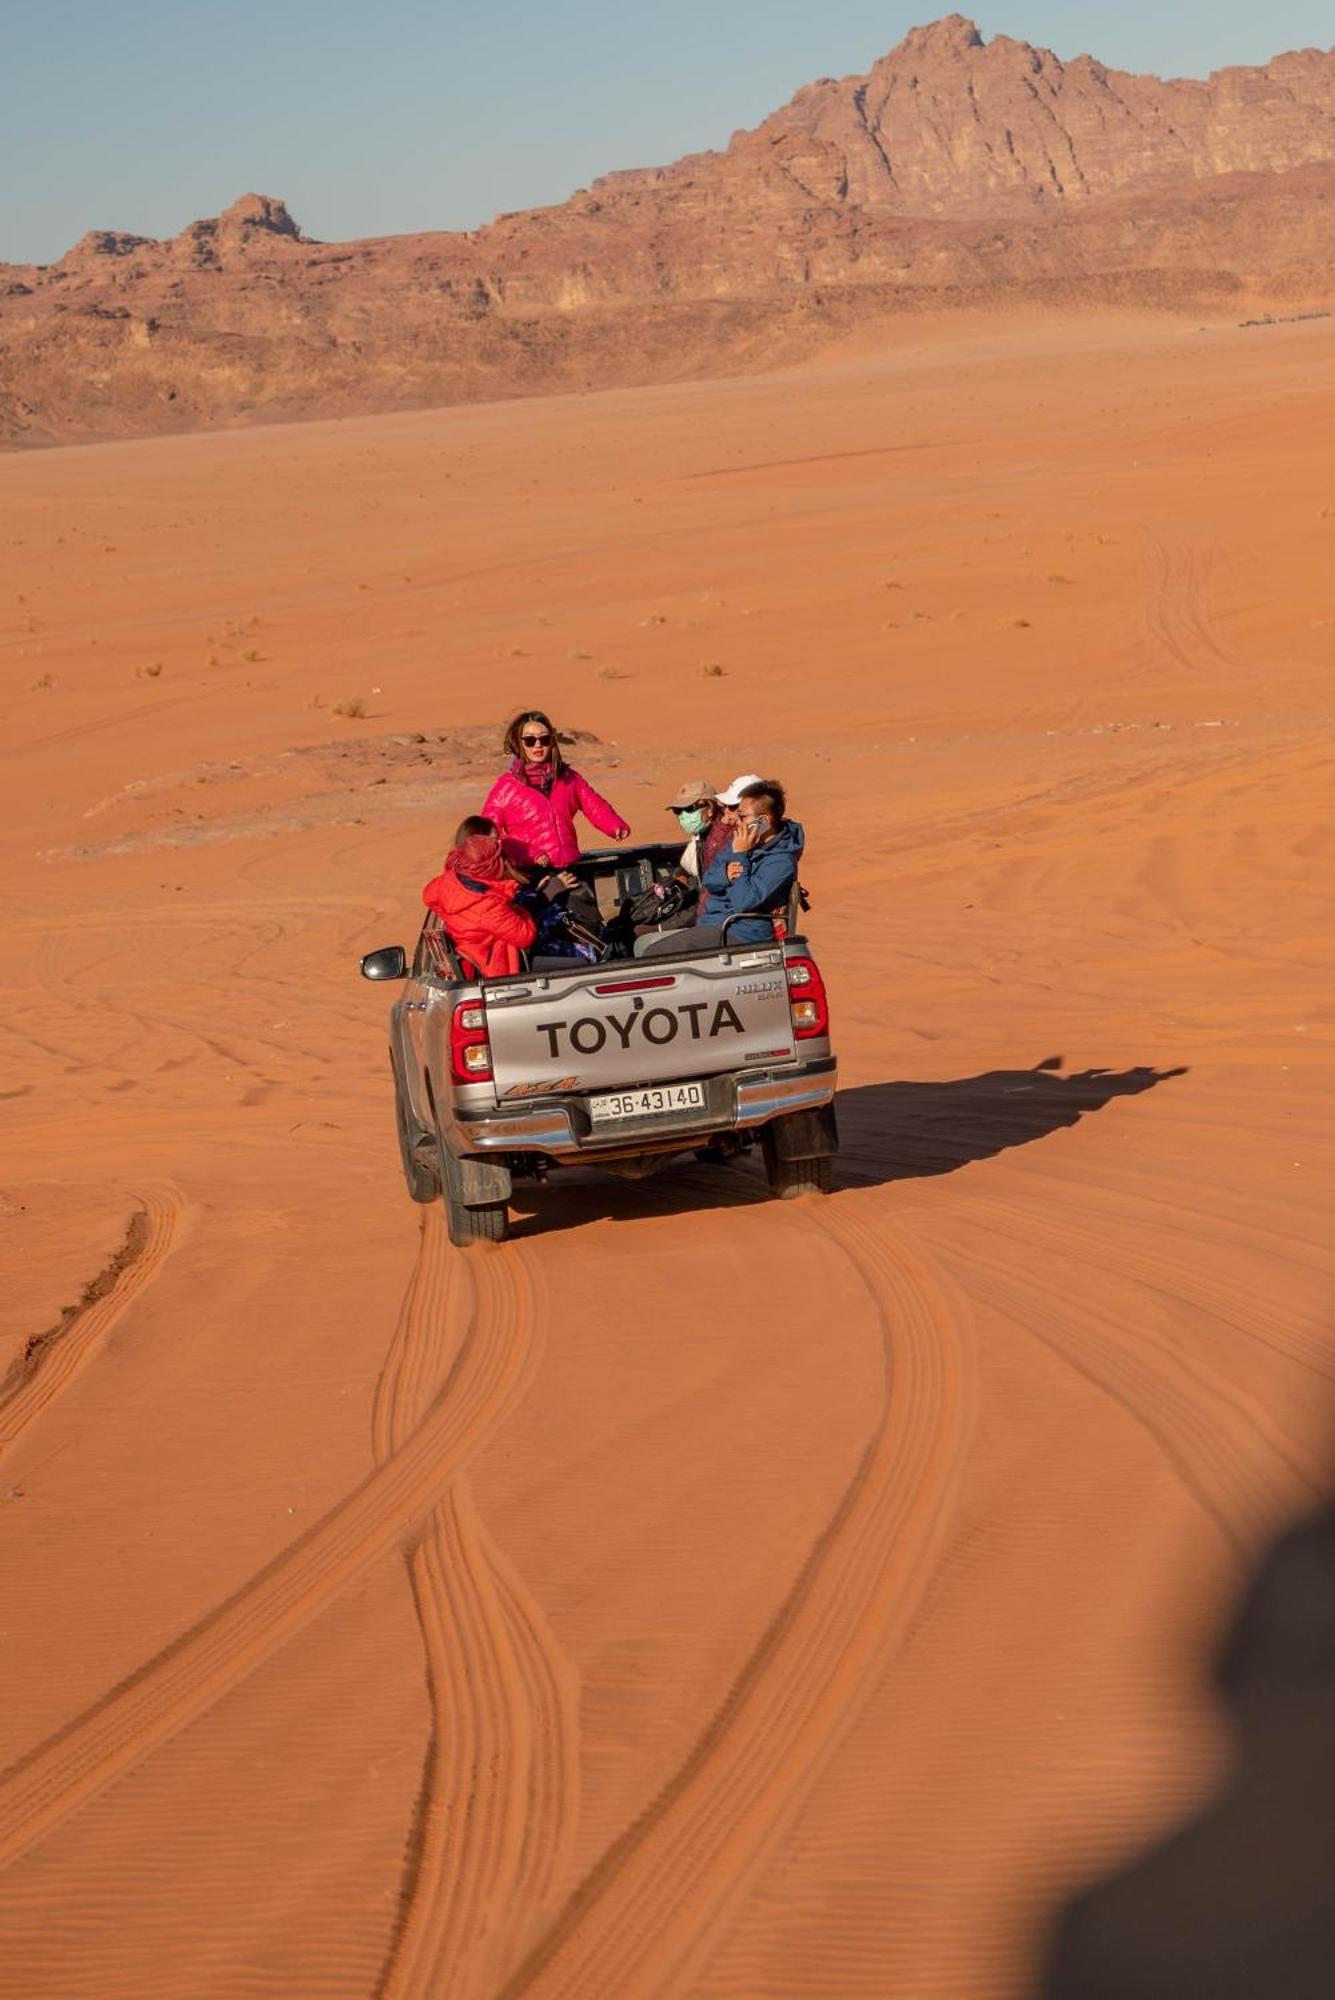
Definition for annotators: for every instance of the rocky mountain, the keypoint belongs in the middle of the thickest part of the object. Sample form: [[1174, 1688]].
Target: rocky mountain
[[956, 170], [948, 125]]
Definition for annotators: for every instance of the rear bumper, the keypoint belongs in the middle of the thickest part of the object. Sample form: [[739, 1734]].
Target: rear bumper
[[561, 1129]]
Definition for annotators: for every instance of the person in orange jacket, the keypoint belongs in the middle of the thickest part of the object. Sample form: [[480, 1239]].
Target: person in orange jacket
[[474, 896]]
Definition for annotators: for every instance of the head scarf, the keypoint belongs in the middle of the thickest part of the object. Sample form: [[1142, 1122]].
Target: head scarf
[[479, 858]]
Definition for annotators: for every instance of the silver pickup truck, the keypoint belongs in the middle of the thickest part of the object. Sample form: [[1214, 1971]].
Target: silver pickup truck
[[618, 1065]]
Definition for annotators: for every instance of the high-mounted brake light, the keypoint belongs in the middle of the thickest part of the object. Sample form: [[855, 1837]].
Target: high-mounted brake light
[[637, 985], [470, 1051], [807, 999]]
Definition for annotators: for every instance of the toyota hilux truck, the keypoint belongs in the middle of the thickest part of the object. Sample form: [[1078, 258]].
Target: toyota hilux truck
[[620, 1065]]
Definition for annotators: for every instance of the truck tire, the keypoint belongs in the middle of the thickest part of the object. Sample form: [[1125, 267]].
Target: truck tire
[[488, 1224], [790, 1178], [799, 1152], [417, 1155], [468, 1219]]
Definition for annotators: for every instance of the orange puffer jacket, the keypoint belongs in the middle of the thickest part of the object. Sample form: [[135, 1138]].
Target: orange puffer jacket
[[482, 920]]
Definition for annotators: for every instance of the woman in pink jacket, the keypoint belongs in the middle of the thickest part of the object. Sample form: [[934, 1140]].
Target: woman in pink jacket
[[535, 801]]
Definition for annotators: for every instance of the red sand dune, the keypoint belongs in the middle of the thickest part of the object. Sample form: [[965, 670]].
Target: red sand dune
[[697, 1597]]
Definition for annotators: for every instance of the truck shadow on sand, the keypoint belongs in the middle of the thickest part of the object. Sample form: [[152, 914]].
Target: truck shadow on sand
[[888, 1132], [904, 1131]]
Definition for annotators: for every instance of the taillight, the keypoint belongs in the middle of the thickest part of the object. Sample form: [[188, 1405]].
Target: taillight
[[470, 1051], [806, 999]]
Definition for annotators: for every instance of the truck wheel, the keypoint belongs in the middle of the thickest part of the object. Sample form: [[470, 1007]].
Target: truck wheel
[[417, 1155], [474, 1220], [488, 1224], [799, 1152], [789, 1178]]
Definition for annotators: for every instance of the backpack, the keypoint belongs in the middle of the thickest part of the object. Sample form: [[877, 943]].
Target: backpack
[[659, 904], [561, 935]]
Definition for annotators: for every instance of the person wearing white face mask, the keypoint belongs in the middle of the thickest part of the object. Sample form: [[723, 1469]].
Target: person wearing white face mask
[[699, 814], [706, 830]]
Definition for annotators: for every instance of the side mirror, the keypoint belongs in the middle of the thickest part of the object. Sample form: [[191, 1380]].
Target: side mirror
[[390, 962]]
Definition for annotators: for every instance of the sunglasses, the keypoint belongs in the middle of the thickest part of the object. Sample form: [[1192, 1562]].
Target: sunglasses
[[697, 807], [534, 740]]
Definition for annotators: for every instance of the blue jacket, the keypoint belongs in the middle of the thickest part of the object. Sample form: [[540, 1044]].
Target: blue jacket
[[765, 884]]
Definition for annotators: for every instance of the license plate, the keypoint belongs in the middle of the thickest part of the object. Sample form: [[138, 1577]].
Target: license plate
[[660, 1097]]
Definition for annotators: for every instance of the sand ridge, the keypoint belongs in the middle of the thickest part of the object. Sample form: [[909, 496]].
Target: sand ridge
[[699, 1596]]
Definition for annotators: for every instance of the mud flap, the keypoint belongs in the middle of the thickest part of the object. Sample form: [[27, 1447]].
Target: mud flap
[[476, 1183], [803, 1135]]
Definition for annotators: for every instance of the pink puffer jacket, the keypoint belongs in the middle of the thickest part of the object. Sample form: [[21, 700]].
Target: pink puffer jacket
[[538, 827]]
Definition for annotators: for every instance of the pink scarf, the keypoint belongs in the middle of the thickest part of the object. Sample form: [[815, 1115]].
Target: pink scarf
[[540, 776]]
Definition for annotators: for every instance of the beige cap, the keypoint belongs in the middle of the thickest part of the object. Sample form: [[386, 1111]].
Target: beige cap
[[691, 795], [738, 786]]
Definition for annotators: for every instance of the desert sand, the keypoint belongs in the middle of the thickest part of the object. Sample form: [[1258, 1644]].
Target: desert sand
[[698, 1596]]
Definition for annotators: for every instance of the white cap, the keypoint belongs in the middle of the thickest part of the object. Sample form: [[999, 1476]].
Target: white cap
[[738, 786]]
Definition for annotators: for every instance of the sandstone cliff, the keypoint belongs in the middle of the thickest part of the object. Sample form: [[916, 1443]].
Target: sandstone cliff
[[954, 170]]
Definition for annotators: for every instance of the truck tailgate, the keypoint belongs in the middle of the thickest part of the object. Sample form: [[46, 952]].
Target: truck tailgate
[[639, 1021]]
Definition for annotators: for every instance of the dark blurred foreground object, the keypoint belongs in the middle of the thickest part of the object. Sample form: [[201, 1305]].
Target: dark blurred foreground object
[[1241, 1904]]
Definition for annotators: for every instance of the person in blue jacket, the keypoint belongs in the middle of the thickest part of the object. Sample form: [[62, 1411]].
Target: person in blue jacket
[[752, 877], [759, 871]]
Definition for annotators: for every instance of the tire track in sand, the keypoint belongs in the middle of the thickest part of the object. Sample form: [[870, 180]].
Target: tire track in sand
[[53, 1359], [495, 1822], [1223, 1447], [1175, 612], [492, 1343], [646, 1918]]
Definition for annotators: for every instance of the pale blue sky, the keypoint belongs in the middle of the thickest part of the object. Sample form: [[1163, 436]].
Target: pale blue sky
[[428, 114]]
